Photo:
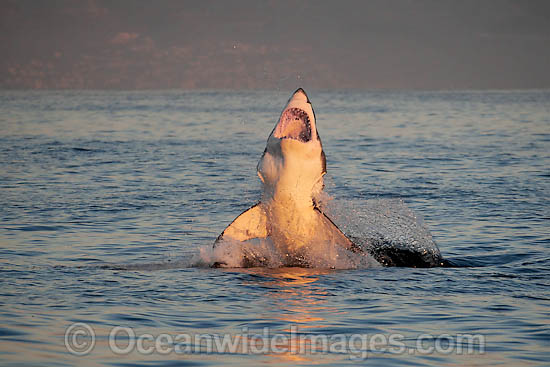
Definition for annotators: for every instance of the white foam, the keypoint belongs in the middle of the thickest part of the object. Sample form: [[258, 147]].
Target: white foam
[[264, 253]]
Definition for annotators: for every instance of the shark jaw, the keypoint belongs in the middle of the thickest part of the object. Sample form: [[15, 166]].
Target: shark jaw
[[297, 121], [294, 124]]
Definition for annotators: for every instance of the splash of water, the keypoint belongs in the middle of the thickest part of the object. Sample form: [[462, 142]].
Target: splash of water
[[264, 253], [386, 228]]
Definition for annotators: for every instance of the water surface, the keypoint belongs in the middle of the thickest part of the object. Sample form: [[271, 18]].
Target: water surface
[[144, 180]]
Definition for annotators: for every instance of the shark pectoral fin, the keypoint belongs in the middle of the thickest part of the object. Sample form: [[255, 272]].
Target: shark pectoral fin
[[252, 223], [335, 234]]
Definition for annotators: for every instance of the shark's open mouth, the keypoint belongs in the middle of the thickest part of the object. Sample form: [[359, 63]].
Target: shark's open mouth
[[294, 124]]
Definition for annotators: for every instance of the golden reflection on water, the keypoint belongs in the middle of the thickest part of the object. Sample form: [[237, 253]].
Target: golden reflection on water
[[297, 303], [293, 297]]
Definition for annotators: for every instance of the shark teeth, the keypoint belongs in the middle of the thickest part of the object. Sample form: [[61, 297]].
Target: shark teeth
[[294, 124]]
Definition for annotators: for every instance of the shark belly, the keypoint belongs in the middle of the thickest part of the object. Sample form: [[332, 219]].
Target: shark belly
[[292, 227]]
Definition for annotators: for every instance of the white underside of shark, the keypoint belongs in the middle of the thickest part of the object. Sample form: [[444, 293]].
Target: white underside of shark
[[291, 170]]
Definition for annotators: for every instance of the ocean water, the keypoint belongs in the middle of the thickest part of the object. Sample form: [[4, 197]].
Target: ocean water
[[110, 202]]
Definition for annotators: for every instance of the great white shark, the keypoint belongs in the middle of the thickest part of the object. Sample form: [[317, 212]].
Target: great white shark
[[291, 170]]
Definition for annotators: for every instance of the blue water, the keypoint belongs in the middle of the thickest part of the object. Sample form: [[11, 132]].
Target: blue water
[[108, 198]]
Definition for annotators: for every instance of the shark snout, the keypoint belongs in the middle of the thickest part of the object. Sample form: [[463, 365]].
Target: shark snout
[[300, 95]]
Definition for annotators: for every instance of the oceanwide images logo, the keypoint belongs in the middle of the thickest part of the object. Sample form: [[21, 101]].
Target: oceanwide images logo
[[80, 340]]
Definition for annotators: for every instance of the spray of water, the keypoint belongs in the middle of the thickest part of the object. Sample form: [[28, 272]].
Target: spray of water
[[386, 228]]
